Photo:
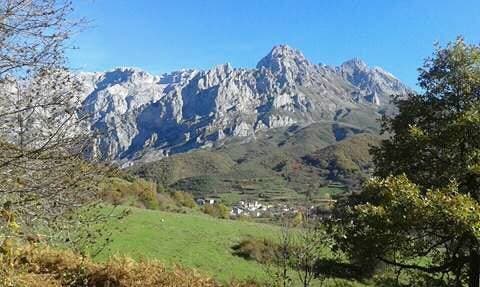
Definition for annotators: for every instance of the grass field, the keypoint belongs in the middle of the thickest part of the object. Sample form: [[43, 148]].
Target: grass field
[[191, 240], [196, 241]]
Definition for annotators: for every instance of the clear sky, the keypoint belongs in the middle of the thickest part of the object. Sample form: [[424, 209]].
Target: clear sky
[[165, 35]]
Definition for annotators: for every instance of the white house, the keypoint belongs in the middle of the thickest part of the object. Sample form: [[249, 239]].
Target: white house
[[236, 211], [203, 201]]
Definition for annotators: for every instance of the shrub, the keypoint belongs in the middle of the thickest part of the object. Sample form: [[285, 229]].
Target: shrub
[[165, 201], [216, 210], [141, 193], [138, 192], [262, 251], [184, 199], [146, 193]]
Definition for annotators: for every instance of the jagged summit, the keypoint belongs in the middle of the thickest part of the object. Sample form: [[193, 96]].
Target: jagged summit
[[284, 48], [288, 64], [378, 85], [282, 58], [146, 116], [355, 63]]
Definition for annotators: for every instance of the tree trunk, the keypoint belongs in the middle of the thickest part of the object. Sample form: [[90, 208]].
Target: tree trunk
[[305, 279], [474, 276]]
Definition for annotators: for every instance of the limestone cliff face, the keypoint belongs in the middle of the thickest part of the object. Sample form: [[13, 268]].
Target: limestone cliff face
[[137, 114], [376, 85]]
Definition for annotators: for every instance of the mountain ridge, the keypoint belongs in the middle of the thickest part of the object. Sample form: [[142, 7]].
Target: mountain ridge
[[137, 113]]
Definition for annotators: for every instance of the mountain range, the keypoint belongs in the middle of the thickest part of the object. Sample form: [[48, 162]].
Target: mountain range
[[145, 117]]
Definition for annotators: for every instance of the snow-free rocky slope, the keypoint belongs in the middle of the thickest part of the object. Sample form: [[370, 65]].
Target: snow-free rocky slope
[[143, 116]]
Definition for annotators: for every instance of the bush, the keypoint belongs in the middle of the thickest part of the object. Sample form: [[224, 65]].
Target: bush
[[138, 192], [184, 199], [262, 251], [141, 193], [146, 192], [216, 210], [165, 201]]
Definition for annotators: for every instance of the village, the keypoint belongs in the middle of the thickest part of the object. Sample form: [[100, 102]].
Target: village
[[244, 208]]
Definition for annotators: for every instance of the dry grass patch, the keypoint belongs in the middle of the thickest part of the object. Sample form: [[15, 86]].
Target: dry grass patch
[[43, 266]]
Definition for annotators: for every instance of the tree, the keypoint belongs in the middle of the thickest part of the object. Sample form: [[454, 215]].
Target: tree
[[299, 249], [43, 138], [279, 271], [311, 244], [421, 212], [435, 136]]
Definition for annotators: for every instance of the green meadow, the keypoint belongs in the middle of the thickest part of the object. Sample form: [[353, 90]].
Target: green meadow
[[191, 240]]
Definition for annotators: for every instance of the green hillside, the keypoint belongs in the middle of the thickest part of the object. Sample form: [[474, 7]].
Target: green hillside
[[347, 161], [196, 241], [277, 165], [191, 240]]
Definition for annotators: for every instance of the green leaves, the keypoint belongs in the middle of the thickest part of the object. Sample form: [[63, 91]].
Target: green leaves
[[417, 133], [470, 117], [395, 220], [422, 212], [435, 135]]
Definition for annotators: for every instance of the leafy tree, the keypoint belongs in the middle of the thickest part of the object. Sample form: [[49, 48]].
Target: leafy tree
[[422, 212], [436, 136], [280, 269], [44, 180], [311, 245]]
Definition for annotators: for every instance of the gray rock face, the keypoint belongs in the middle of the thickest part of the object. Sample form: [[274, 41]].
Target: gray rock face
[[376, 85], [139, 115]]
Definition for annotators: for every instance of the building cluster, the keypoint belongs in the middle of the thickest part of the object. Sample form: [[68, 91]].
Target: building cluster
[[249, 208], [258, 209], [203, 201]]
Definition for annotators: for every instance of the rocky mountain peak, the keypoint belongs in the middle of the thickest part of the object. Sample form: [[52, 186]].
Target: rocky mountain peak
[[142, 114], [288, 64], [355, 63], [281, 58], [376, 84]]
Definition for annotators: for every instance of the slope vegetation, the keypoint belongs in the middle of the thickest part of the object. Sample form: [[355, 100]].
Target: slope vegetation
[[276, 165]]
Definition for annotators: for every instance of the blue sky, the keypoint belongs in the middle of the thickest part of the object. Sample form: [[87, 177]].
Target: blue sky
[[161, 36]]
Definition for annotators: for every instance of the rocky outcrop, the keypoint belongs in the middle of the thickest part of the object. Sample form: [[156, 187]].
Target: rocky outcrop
[[375, 85], [137, 114]]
